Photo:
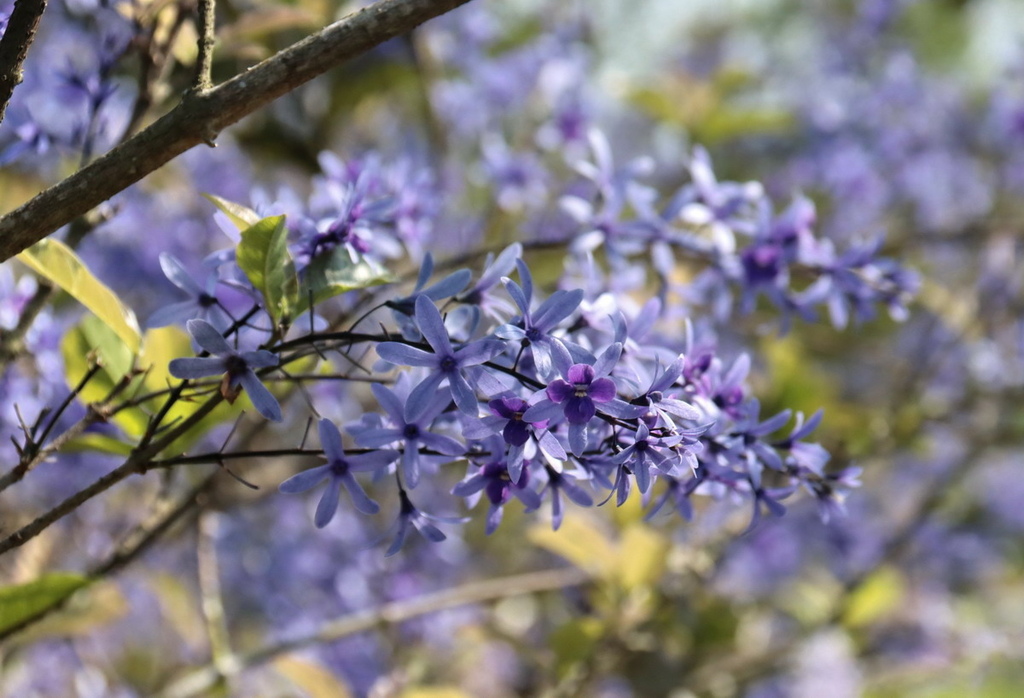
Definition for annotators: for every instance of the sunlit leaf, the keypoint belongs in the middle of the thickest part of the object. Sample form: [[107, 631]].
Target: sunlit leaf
[[334, 272], [242, 216], [23, 601], [263, 256], [84, 608], [882, 592], [641, 559], [579, 542], [92, 340], [574, 642], [57, 263], [314, 680]]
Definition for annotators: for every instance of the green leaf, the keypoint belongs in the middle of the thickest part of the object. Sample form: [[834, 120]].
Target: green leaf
[[58, 264], [93, 338], [334, 272], [97, 443], [881, 593], [242, 216], [23, 601], [263, 256]]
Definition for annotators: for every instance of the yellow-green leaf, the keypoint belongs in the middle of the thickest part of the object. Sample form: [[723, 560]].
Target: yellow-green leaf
[[641, 559], [263, 256], [242, 216], [578, 542], [58, 264], [21, 602], [881, 592], [314, 680]]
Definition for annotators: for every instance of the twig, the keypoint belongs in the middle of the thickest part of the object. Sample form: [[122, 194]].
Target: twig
[[203, 679], [207, 33], [134, 545], [210, 592], [14, 45], [200, 117]]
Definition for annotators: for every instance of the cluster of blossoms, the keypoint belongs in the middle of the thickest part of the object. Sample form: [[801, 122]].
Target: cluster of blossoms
[[543, 400]]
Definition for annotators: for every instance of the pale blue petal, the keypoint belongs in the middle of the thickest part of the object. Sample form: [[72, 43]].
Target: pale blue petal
[[374, 460], [173, 314], [376, 438], [470, 487], [606, 362], [526, 281], [330, 440], [559, 306], [196, 367], [464, 396], [411, 465], [428, 319], [264, 402], [478, 352], [260, 359], [404, 355], [390, 402], [577, 438], [545, 409], [177, 275], [442, 444], [305, 480], [517, 295], [449, 285], [422, 396], [360, 500], [328, 504], [207, 336]]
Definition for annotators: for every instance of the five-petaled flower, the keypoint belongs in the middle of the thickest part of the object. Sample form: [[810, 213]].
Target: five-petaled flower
[[237, 368], [446, 362], [338, 472]]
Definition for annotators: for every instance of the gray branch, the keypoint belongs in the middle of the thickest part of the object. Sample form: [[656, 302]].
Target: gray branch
[[201, 116]]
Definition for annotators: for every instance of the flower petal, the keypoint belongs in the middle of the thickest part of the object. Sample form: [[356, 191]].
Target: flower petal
[[602, 390], [177, 275], [558, 391], [207, 336], [428, 319], [360, 500], [390, 402], [306, 480], [330, 440], [404, 355], [422, 396], [328, 504], [580, 374], [196, 367], [478, 352], [464, 396], [260, 359], [262, 399]]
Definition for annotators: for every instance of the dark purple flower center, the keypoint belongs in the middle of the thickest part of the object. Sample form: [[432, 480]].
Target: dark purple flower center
[[448, 364], [339, 467], [235, 365], [206, 300], [411, 432]]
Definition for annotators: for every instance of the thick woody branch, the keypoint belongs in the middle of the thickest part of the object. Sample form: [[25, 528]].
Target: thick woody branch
[[201, 116], [21, 30]]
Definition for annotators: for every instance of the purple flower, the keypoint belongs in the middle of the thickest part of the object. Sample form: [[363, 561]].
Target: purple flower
[[236, 367], [558, 484], [338, 472], [576, 397], [409, 515], [578, 394], [445, 361], [203, 303], [414, 432], [495, 480], [533, 330]]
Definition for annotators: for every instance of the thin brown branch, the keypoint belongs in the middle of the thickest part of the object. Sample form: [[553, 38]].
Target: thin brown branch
[[138, 542], [200, 117], [203, 679], [207, 34], [14, 45]]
